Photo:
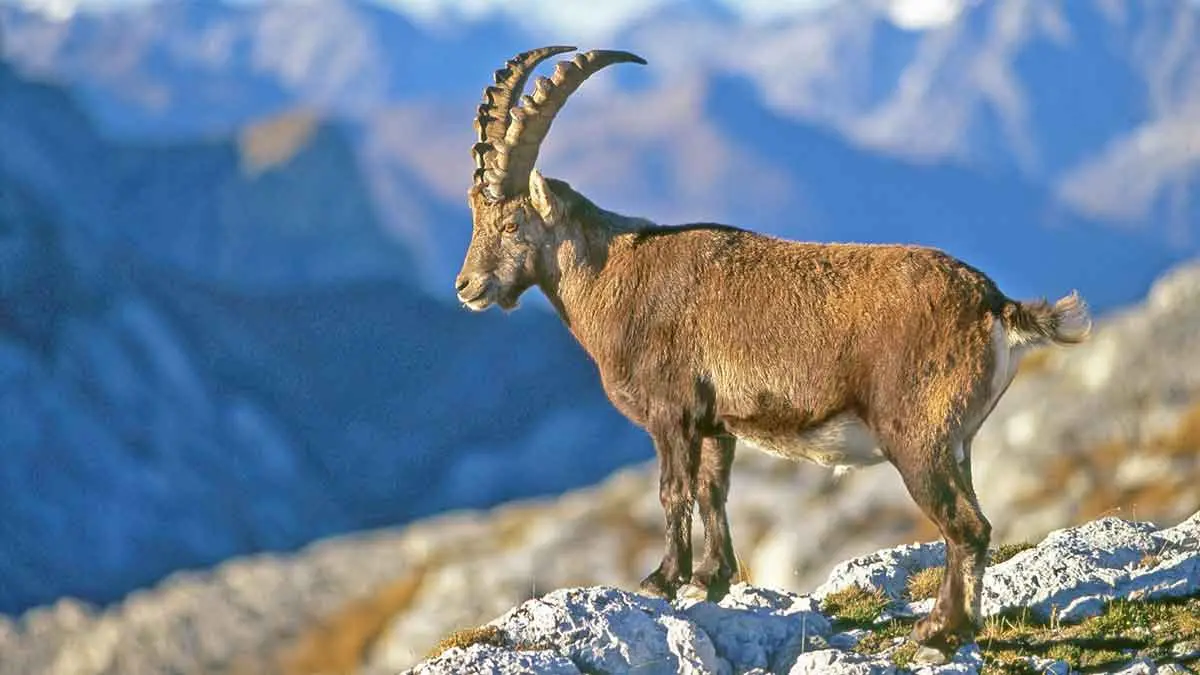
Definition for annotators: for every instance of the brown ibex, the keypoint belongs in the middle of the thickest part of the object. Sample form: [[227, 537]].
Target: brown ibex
[[842, 354]]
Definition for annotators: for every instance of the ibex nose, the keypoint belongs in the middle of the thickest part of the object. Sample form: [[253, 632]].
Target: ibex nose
[[461, 283]]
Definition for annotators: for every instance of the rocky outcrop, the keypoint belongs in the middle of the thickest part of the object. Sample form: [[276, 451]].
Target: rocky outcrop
[[1071, 575]]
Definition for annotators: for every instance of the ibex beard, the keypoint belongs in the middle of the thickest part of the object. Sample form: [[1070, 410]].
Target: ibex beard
[[841, 354]]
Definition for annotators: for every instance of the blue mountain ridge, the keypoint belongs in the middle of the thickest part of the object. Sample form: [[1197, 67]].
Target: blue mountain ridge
[[155, 417]]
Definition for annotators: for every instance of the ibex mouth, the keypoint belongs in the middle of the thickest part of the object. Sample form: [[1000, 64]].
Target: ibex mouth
[[481, 300], [478, 305]]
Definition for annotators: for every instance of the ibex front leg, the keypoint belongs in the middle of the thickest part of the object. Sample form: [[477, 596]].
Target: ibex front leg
[[678, 448], [718, 567]]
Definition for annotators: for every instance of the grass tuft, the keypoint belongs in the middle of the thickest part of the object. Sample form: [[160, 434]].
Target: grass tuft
[[855, 606], [491, 635], [1005, 552], [744, 574], [1149, 560], [925, 584], [903, 656]]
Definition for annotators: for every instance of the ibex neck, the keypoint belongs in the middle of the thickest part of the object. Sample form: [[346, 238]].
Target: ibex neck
[[572, 268]]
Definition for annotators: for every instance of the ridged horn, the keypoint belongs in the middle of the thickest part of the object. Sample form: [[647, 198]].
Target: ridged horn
[[492, 116], [531, 121]]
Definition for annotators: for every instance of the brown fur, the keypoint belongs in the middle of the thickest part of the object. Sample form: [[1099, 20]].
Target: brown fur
[[704, 333]]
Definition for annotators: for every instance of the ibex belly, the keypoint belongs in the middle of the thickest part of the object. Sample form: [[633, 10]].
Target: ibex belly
[[842, 441]]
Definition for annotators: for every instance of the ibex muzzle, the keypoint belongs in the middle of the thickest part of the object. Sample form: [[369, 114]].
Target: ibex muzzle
[[842, 354]]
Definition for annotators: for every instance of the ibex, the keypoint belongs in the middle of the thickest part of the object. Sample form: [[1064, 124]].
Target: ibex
[[841, 354]]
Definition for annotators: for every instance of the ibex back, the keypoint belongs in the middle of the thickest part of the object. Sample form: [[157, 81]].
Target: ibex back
[[842, 354]]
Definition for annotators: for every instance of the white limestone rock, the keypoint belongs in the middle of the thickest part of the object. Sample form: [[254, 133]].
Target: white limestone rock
[[608, 630], [1074, 572], [887, 570], [760, 628], [492, 660], [838, 662]]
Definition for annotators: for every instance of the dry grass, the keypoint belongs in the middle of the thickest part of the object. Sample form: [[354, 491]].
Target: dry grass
[[883, 640], [925, 584], [1124, 631], [340, 643], [1149, 560], [744, 574], [492, 635]]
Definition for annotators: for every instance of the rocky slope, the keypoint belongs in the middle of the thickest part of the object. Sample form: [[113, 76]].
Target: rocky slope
[[1111, 427], [1073, 575]]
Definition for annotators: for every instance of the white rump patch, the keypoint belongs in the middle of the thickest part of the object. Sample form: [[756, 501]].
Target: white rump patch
[[1007, 358]]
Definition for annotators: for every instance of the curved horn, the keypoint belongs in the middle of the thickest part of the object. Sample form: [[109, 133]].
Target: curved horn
[[516, 156], [492, 117]]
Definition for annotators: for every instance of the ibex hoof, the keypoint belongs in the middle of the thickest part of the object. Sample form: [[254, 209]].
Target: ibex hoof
[[936, 642], [930, 656], [693, 592], [658, 587]]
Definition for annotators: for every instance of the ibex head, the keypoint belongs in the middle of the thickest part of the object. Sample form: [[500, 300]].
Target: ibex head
[[513, 209]]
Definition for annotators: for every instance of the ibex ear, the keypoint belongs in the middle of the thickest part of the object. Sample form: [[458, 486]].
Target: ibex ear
[[548, 206]]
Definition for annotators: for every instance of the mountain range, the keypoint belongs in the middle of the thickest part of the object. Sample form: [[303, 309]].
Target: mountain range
[[229, 233]]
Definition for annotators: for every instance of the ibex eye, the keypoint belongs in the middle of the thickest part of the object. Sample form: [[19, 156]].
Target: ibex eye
[[510, 226]]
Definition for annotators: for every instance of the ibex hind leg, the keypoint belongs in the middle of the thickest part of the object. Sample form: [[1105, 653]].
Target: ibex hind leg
[[936, 480]]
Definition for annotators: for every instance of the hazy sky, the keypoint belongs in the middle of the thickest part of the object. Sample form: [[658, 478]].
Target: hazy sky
[[590, 15]]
